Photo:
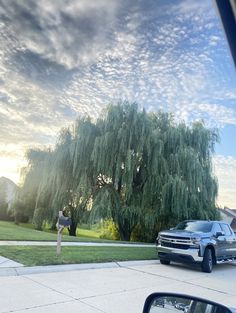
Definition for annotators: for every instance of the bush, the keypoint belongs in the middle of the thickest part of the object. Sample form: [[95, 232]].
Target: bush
[[109, 230], [143, 234]]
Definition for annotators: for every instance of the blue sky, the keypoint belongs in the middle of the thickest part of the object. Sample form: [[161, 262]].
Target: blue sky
[[63, 59]]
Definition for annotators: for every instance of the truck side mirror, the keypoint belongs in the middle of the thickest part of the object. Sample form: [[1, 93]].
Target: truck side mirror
[[219, 233]]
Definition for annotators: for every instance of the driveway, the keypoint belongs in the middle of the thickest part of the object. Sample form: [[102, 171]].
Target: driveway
[[108, 288]]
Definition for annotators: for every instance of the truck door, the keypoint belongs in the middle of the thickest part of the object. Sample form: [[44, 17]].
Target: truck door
[[229, 241], [221, 243]]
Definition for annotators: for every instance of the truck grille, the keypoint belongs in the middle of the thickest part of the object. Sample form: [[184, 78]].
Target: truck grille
[[174, 245], [175, 242]]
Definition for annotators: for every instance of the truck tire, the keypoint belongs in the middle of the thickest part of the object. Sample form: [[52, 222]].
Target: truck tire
[[207, 263], [165, 262]]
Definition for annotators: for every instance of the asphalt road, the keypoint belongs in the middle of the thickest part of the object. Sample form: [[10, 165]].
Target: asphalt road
[[109, 288]]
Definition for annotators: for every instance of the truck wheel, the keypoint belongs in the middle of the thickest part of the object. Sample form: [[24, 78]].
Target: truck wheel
[[207, 263], [165, 262]]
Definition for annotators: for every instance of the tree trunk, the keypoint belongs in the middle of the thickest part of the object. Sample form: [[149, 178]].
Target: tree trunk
[[124, 235], [125, 232]]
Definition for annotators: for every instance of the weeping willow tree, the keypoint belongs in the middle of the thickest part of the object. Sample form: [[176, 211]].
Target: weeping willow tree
[[67, 182], [151, 171], [143, 171]]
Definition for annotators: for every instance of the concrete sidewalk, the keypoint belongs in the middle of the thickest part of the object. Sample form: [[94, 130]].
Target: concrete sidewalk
[[7, 263], [16, 269], [72, 243]]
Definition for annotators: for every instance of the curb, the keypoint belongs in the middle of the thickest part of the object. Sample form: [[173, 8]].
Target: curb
[[20, 271]]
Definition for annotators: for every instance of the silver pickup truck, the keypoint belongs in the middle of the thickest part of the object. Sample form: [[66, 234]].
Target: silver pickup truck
[[204, 242]]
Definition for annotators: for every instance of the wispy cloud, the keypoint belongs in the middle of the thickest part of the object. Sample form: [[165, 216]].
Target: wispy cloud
[[225, 169], [69, 33]]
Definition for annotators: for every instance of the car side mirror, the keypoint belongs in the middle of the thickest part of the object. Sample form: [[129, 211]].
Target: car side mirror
[[171, 302], [219, 233]]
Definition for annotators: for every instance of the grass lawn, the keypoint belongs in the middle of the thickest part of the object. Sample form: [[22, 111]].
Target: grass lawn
[[46, 255], [41, 255], [10, 231]]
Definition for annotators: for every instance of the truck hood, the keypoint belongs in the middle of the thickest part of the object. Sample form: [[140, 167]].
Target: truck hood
[[184, 233]]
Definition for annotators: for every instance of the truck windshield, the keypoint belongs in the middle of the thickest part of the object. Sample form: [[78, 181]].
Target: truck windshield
[[203, 227]]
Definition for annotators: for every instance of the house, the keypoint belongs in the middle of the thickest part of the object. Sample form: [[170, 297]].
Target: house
[[8, 190], [229, 216]]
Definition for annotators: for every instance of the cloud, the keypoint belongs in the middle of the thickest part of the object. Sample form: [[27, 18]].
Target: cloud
[[70, 33], [225, 169], [157, 55], [28, 113], [214, 115]]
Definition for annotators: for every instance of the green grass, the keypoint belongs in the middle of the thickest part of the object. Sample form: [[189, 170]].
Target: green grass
[[10, 231], [81, 232], [41, 255], [26, 232]]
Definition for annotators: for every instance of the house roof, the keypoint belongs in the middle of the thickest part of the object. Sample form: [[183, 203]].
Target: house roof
[[233, 224], [228, 212]]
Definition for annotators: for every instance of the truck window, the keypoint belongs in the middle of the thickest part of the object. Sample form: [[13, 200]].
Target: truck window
[[226, 229], [217, 228], [196, 226]]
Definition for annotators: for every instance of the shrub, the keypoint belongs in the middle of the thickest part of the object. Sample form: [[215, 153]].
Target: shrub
[[109, 230], [143, 234]]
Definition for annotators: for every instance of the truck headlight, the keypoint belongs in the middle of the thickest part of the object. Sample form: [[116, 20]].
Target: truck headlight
[[196, 241]]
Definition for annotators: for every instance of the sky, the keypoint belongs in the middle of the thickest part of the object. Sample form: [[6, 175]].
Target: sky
[[63, 59]]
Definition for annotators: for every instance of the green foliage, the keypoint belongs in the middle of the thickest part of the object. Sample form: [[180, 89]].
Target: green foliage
[[32, 177], [142, 233], [143, 171], [39, 218], [152, 172], [108, 230]]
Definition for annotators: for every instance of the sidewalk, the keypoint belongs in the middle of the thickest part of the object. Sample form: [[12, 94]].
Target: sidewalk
[[71, 244], [17, 269], [7, 263]]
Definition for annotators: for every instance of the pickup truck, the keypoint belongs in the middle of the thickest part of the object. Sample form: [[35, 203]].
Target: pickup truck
[[204, 242]]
